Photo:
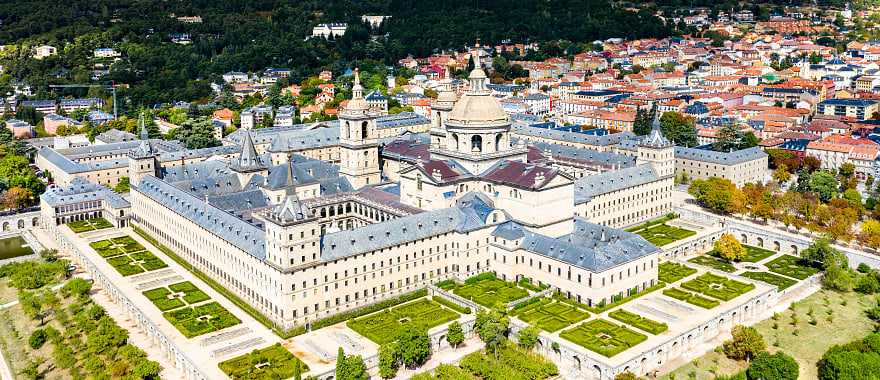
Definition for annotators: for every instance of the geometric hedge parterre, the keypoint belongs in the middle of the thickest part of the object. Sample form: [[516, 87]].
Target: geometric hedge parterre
[[603, 337], [716, 286], [127, 256], [384, 326]]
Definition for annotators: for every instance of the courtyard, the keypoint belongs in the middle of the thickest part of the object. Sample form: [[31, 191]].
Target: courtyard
[[791, 266], [175, 296], [670, 272], [273, 362], [603, 337], [716, 286], [384, 326], [201, 319], [93, 224]]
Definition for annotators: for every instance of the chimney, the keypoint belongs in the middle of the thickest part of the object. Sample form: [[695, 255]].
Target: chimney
[[539, 178], [436, 175]]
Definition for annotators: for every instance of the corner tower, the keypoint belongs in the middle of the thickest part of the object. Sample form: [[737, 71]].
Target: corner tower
[[657, 150], [142, 160], [358, 139]]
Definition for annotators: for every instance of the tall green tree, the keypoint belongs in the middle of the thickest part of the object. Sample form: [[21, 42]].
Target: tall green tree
[[824, 185], [413, 346], [679, 129]]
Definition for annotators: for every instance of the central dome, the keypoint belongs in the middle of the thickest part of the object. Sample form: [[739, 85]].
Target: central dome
[[477, 107]]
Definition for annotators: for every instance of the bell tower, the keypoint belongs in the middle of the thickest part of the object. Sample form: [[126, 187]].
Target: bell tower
[[358, 140], [657, 150], [142, 160]]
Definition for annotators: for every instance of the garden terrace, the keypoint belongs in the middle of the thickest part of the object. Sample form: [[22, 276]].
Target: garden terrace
[[603, 337], [780, 282], [713, 262], [202, 319], [691, 298], [89, 225], [753, 254], [127, 256], [550, 315], [176, 296], [273, 362], [791, 266], [664, 234], [718, 287], [489, 291], [638, 321], [384, 326], [670, 272]]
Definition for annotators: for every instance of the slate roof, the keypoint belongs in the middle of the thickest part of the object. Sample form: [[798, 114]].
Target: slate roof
[[241, 234], [587, 156], [81, 190], [519, 174], [722, 158], [567, 136], [590, 246], [588, 187], [61, 162]]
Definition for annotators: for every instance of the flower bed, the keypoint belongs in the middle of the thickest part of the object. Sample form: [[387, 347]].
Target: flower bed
[[550, 315], [691, 298], [603, 337], [791, 266], [273, 362], [718, 287], [489, 291], [384, 326], [638, 321], [770, 278], [202, 319], [670, 272]]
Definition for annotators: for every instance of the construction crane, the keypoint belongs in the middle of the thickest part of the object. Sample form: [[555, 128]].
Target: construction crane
[[111, 87]]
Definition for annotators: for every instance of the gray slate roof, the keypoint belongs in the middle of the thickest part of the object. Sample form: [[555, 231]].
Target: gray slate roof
[[81, 190], [721, 158], [590, 246], [591, 186], [224, 225], [573, 137]]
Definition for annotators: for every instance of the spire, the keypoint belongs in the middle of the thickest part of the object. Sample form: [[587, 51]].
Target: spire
[[144, 134], [290, 211], [248, 159], [656, 139], [289, 169], [357, 91]]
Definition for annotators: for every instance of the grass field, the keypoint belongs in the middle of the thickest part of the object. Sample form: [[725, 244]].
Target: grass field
[[781, 282], [713, 262], [127, 256], [840, 318], [551, 315], [670, 272], [202, 319], [603, 337], [89, 225], [490, 292], [273, 362], [384, 326], [791, 266]]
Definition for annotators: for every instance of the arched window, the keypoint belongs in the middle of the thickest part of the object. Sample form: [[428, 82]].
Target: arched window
[[476, 144], [364, 130], [498, 142]]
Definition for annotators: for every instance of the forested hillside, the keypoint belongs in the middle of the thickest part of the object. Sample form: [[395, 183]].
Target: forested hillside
[[250, 35]]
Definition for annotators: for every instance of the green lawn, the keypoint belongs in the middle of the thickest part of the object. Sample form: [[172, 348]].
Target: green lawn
[[202, 319], [603, 337], [791, 266], [89, 225], [847, 322], [384, 326], [176, 295], [273, 362], [716, 286], [713, 262], [490, 291], [781, 282], [663, 234], [127, 256], [661, 220], [550, 315], [753, 254], [638, 321], [671, 272]]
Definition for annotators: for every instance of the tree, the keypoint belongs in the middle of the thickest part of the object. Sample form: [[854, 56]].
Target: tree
[[644, 120], [870, 234], [77, 287], [38, 338], [350, 367], [16, 198], [388, 361], [846, 170], [626, 376], [729, 248], [781, 174], [31, 304], [746, 343], [455, 335], [778, 366], [730, 137], [196, 134], [413, 346], [822, 254], [824, 185], [492, 328], [718, 194], [679, 129], [528, 337], [853, 197]]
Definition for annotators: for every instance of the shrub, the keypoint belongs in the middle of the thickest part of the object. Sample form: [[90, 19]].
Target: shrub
[[369, 309], [746, 343], [528, 337], [38, 338], [863, 268], [451, 305], [778, 366], [455, 335]]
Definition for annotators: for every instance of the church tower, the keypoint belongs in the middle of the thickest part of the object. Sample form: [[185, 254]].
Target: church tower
[[248, 163], [293, 234], [358, 139], [142, 160], [441, 107], [657, 150]]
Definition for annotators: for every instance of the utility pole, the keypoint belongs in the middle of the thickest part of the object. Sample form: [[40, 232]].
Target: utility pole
[[111, 87]]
